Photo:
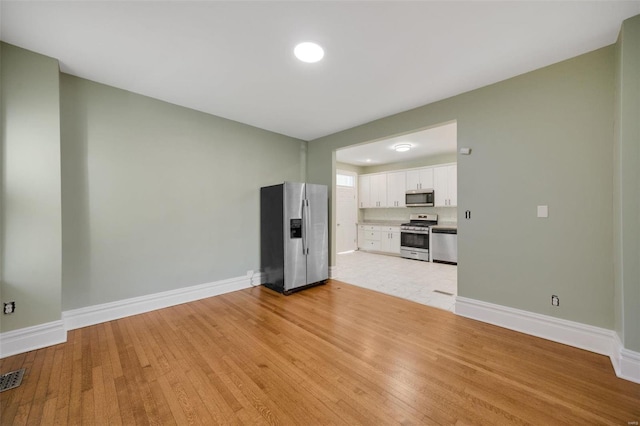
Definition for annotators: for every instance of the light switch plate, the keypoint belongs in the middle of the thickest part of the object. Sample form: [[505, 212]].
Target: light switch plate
[[543, 211]]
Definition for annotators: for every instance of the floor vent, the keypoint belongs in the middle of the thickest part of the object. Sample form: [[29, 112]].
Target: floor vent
[[11, 380], [443, 292]]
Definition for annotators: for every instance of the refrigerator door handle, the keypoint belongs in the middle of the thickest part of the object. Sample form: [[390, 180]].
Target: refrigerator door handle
[[307, 218], [304, 229]]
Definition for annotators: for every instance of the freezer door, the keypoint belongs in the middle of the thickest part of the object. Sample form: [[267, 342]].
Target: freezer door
[[294, 236], [317, 229]]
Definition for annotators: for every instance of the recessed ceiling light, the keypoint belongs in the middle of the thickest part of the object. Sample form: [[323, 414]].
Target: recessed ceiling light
[[368, 160], [308, 52], [402, 147]]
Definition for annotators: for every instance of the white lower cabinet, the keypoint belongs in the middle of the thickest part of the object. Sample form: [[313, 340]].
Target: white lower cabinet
[[385, 239], [390, 239]]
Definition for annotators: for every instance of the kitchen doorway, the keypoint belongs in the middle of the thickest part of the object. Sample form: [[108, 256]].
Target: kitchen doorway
[[428, 157]]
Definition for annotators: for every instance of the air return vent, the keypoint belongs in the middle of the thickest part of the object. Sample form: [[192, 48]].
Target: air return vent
[[11, 380]]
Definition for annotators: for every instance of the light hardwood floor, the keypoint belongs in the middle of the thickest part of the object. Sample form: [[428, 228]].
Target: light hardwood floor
[[333, 354]]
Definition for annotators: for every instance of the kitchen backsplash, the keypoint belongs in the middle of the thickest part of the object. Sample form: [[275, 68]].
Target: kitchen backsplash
[[445, 214]]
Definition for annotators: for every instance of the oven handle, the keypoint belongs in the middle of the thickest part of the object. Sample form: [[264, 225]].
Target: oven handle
[[414, 232]]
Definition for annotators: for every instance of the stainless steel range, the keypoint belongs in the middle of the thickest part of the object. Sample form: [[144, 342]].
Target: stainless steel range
[[414, 236]]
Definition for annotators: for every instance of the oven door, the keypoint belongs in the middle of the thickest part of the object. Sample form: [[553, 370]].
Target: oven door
[[413, 240]]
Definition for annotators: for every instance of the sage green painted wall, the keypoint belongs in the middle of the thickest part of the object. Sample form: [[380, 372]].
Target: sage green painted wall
[[627, 186], [542, 138], [156, 196], [31, 206], [349, 167]]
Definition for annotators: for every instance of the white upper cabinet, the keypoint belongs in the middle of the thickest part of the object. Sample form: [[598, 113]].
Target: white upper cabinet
[[364, 191], [372, 191], [420, 178], [445, 185], [396, 189], [378, 190], [389, 189]]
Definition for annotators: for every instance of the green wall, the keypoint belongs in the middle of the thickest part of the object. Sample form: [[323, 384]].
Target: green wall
[[627, 185], [542, 138], [349, 167], [31, 219], [156, 196]]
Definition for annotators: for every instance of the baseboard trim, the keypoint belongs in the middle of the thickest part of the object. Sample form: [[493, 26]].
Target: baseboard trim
[[31, 338], [91, 315], [626, 363], [333, 270]]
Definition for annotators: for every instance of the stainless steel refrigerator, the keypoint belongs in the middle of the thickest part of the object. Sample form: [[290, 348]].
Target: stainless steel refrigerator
[[294, 235]]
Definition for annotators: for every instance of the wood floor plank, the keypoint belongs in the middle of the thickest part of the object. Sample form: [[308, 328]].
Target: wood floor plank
[[333, 354]]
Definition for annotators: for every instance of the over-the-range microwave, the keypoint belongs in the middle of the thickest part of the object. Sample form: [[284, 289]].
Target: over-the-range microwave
[[419, 198]]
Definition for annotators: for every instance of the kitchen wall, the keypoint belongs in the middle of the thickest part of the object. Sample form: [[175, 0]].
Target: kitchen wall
[[31, 210], [412, 164], [348, 167], [542, 138], [626, 188], [156, 196], [445, 214]]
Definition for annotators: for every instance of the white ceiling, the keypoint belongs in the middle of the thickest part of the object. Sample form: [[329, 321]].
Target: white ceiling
[[234, 59], [425, 143]]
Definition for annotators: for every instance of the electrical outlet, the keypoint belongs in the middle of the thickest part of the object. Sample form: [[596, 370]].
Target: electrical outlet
[[555, 300], [9, 307]]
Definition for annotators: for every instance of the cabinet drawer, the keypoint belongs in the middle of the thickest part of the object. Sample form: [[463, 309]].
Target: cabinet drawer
[[372, 245], [391, 229], [372, 235]]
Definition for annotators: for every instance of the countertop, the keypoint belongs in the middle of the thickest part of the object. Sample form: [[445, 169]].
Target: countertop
[[382, 223], [441, 225]]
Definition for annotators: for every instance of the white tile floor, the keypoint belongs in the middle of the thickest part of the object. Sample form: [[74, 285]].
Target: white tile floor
[[406, 278]]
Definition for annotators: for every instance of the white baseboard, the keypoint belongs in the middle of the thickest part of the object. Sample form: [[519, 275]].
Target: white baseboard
[[333, 271], [83, 317], [626, 363], [31, 338]]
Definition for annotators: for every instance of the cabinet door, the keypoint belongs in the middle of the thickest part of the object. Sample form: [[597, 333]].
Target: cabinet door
[[394, 245], [426, 178], [385, 242], [396, 189], [445, 185], [453, 185], [413, 179], [440, 186], [378, 185], [390, 239], [420, 178], [364, 192]]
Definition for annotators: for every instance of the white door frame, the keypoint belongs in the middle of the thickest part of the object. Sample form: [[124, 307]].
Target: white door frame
[[339, 231]]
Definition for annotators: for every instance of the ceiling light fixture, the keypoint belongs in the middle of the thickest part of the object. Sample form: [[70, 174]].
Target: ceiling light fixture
[[308, 52], [402, 147]]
